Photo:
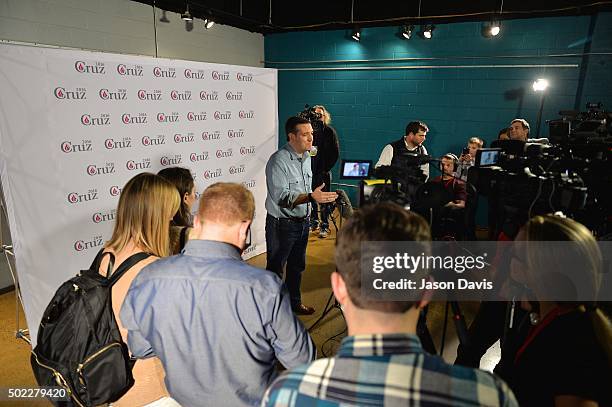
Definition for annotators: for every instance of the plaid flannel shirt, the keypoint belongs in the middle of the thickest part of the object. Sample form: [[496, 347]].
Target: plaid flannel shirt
[[389, 370]]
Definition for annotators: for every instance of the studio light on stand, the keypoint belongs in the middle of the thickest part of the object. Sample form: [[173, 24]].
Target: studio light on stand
[[356, 35], [428, 31], [540, 85], [407, 31], [208, 22]]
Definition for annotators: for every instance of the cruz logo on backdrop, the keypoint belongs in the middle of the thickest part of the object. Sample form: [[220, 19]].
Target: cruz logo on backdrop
[[241, 77], [160, 72], [112, 144], [79, 197], [96, 68], [155, 94], [211, 135], [138, 118], [209, 95], [196, 117], [70, 94], [70, 147], [104, 216], [191, 74], [220, 76], [105, 169], [115, 94], [129, 70], [171, 160], [211, 174], [95, 241], [102, 120], [143, 164], [201, 156], [180, 94], [183, 138], [153, 141]]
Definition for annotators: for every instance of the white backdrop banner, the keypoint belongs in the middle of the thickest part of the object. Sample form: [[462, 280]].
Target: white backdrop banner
[[75, 126]]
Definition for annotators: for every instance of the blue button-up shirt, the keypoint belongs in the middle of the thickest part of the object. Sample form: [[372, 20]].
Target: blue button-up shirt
[[287, 176], [217, 324]]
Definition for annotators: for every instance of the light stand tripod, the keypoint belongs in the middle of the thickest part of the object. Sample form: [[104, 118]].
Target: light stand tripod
[[8, 251]]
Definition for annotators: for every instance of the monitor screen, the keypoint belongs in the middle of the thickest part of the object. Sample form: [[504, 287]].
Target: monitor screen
[[355, 169], [486, 157]]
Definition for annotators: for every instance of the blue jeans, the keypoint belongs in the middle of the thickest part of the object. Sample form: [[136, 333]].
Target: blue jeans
[[326, 210], [287, 240]]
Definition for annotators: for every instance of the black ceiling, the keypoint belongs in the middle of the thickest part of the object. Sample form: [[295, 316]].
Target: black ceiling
[[290, 15]]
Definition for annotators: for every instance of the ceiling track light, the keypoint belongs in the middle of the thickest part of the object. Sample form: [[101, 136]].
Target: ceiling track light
[[186, 16], [428, 31], [491, 29], [407, 31], [208, 22], [356, 35]]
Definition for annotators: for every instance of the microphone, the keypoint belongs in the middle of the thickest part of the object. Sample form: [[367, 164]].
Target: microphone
[[344, 204]]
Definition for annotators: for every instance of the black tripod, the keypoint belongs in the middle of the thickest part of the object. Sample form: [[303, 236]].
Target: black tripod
[[328, 308]]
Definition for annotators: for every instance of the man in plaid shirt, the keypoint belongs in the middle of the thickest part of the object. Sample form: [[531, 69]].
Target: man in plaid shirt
[[382, 362]]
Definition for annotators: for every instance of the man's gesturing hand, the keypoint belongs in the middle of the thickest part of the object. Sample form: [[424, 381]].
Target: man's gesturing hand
[[323, 197]]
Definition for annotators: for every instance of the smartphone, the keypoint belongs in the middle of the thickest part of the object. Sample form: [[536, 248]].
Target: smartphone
[[465, 151]]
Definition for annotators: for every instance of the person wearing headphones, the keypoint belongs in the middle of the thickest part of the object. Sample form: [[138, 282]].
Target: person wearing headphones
[[454, 209]]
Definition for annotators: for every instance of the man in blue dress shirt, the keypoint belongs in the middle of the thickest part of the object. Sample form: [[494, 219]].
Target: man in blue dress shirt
[[289, 178], [218, 324]]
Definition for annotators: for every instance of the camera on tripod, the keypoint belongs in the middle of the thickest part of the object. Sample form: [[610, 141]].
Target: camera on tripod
[[574, 175]]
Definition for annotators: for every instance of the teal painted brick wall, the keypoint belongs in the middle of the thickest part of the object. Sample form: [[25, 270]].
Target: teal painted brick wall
[[372, 107]]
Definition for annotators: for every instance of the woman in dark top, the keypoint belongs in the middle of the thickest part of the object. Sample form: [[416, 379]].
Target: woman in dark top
[[566, 357], [182, 221]]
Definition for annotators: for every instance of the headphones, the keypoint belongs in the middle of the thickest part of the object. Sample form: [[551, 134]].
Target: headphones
[[452, 157]]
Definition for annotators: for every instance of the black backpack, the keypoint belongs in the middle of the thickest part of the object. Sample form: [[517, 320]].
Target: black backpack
[[79, 346]]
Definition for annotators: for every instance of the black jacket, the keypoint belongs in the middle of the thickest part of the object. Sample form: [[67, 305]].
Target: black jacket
[[328, 151]]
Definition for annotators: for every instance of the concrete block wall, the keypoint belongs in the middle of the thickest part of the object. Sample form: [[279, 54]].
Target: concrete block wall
[[371, 107], [125, 26]]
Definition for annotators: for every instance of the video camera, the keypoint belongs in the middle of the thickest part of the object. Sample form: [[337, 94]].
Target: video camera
[[310, 114], [573, 175]]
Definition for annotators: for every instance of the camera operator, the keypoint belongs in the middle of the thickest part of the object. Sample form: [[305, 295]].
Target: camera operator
[[412, 142], [468, 155], [519, 130], [324, 154]]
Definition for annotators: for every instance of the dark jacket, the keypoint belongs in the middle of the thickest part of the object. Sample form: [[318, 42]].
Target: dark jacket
[[328, 151]]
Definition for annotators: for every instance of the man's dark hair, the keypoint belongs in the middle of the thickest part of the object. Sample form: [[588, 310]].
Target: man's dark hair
[[505, 130], [414, 127], [383, 222], [292, 123]]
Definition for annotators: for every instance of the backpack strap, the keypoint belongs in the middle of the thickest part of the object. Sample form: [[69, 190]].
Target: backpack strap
[[126, 265], [95, 266]]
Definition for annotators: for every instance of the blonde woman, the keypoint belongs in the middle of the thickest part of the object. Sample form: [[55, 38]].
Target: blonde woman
[[566, 358], [325, 152], [146, 205]]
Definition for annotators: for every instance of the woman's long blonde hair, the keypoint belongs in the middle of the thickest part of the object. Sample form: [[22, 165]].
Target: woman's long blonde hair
[[146, 206], [549, 228]]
